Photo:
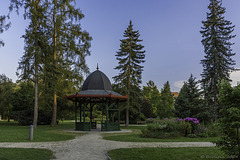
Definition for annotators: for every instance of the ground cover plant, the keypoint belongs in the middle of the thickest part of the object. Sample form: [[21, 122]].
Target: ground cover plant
[[197, 153], [25, 154], [12, 132], [135, 136]]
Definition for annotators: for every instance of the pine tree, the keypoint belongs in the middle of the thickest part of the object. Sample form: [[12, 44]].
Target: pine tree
[[166, 106], [188, 102], [130, 57], [218, 62]]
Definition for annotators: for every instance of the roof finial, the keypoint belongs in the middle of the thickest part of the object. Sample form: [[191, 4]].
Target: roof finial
[[97, 66]]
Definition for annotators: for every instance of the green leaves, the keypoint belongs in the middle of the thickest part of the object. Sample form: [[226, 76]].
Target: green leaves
[[230, 119]]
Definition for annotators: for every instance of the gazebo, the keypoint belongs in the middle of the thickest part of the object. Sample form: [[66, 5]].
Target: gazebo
[[97, 89]]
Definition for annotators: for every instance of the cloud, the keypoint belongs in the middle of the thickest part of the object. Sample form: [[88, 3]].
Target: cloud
[[177, 85], [235, 77]]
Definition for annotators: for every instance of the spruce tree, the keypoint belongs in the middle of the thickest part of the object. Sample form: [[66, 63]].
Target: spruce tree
[[166, 106], [188, 102], [130, 57], [218, 62]]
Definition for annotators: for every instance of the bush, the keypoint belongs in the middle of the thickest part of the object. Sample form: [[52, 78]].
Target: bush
[[163, 129], [192, 136]]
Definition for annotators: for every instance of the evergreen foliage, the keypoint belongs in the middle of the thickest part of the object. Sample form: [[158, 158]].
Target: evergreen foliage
[[130, 57], [218, 62], [69, 48], [230, 120], [188, 101], [166, 106], [151, 93], [147, 109]]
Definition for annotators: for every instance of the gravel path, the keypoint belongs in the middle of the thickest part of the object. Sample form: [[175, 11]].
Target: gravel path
[[92, 147]]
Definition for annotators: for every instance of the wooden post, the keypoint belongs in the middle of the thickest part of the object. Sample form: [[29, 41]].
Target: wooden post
[[84, 111], [31, 132], [81, 113], [75, 111], [118, 113]]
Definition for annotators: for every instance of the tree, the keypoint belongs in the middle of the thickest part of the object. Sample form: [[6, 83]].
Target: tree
[[218, 62], [152, 94], [55, 49], [188, 102], [230, 120], [3, 26], [69, 48], [130, 57], [33, 57], [23, 102], [166, 106], [6, 94]]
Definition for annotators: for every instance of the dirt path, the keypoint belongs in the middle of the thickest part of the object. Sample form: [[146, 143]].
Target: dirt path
[[92, 147]]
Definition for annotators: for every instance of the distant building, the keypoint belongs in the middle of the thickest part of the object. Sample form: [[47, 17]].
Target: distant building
[[175, 94]]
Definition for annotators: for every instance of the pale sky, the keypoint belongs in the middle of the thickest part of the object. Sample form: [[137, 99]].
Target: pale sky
[[169, 29]]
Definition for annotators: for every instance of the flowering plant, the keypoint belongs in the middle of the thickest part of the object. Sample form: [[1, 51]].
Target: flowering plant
[[188, 124]]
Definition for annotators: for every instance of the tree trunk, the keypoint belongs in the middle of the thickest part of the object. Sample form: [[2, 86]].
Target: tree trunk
[[54, 117], [35, 116]]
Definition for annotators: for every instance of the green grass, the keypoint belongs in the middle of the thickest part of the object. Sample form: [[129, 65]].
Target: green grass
[[134, 136], [25, 154], [166, 153], [12, 132]]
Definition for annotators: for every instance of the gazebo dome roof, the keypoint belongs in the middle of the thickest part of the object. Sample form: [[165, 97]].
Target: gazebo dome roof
[[97, 86], [97, 81]]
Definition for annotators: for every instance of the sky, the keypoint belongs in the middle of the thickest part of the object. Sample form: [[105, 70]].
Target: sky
[[170, 30]]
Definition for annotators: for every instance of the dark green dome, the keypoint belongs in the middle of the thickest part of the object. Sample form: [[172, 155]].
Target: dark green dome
[[97, 81]]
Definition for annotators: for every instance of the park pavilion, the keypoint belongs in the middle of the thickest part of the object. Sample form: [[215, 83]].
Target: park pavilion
[[97, 90]]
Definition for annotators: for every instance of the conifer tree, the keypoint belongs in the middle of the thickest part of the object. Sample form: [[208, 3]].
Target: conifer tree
[[188, 102], [152, 94], [130, 57], [218, 62], [166, 106], [29, 65], [70, 46], [3, 26], [56, 47]]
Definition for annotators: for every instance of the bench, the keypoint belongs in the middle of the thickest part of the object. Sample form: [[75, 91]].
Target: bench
[[122, 122], [141, 122]]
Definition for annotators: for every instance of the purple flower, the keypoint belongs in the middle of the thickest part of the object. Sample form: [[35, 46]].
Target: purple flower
[[194, 120], [180, 119]]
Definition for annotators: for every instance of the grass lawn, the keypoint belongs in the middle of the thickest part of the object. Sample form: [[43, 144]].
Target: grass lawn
[[134, 136], [25, 154], [12, 132], [197, 153]]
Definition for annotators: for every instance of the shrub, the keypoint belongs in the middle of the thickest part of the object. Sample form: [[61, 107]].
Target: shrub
[[188, 125], [162, 129], [192, 136]]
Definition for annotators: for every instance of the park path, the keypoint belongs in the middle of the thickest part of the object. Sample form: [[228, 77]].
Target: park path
[[91, 146]]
